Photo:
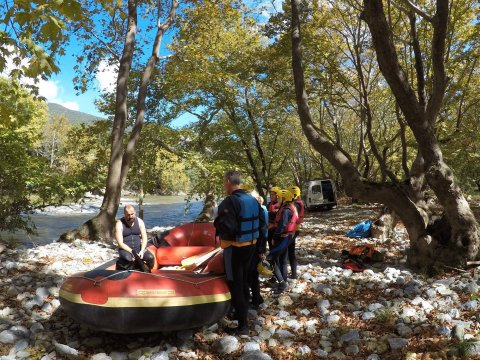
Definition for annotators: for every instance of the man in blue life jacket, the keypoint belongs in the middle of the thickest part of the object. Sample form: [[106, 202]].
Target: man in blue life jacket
[[131, 235], [237, 225]]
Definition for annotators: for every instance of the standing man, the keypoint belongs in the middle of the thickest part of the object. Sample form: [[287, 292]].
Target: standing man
[[131, 235], [237, 226]]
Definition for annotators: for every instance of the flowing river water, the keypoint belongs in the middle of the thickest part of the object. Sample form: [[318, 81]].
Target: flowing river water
[[158, 211]]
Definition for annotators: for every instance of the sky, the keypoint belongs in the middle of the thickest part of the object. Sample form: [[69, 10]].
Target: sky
[[59, 88]]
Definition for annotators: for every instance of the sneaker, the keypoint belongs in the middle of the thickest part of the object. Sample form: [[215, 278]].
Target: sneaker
[[237, 331], [281, 288]]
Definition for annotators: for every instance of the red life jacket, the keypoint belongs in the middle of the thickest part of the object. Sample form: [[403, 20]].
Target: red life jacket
[[272, 208], [300, 209], [291, 226]]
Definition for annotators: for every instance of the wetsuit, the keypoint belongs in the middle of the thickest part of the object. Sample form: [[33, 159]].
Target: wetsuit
[[132, 237]]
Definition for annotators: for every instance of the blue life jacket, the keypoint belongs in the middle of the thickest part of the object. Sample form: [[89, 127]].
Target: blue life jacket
[[248, 219], [361, 230]]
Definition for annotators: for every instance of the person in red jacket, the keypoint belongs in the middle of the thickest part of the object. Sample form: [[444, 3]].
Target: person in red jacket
[[285, 224], [292, 257], [272, 208]]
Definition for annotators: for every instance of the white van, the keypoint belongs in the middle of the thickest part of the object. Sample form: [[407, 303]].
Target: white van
[[319, 194]]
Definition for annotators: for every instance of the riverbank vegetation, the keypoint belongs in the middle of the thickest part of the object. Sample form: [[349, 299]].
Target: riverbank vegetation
[[391, 114]]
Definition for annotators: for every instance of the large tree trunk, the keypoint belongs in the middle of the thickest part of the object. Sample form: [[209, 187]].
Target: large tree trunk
[[463, 244], [101, 227], [428, 251]]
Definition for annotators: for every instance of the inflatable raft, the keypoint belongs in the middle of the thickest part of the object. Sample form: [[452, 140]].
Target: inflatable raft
[[167, 299]]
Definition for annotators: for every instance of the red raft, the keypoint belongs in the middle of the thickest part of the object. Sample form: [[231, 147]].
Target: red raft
[[129, 301]]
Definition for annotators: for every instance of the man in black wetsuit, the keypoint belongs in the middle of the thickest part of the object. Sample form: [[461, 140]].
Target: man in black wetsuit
[[237, 226], [131, 235]]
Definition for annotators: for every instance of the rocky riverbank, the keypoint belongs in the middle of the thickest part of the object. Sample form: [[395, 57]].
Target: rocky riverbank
[[385, 312]]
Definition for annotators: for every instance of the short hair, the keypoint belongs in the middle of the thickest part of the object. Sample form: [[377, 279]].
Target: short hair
[[128, 206], [233, 176]]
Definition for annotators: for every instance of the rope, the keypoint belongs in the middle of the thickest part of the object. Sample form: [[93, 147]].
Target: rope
[[98, 281]]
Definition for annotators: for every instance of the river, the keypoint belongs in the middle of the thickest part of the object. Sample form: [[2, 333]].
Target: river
[[158, 211]]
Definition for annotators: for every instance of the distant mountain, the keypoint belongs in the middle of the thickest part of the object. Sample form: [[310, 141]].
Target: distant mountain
[[73, 116]]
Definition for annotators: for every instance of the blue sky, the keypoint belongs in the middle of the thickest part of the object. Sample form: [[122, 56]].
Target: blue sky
[[60, 88]]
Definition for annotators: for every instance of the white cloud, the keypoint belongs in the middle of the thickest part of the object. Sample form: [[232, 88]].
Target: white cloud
[[49, 89], [107, 76]]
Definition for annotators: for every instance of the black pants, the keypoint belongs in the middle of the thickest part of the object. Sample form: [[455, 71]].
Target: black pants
[[237, 263], [278, 257], [271, 231], [292, 257], [253, 281], [127, 258]]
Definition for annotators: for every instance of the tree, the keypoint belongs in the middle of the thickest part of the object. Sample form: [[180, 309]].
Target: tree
[[102, 225], [34, 33], [218, 75], [23, 175], [429, 247]]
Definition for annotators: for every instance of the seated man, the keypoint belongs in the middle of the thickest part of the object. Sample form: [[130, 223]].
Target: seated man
[[131, 235]]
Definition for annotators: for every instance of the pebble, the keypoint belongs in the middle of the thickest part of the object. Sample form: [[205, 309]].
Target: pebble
[[159, 356], [66, 351], [410, 296], [100, 356], [255, 355], [351, 336], [226, 345], [397, 343], [8, 337]]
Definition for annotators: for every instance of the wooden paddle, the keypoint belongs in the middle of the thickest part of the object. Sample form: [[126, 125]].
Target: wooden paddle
[[195, 261], [140, 263]]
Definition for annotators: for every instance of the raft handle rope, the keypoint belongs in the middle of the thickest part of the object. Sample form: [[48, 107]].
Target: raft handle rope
[[196, 284]]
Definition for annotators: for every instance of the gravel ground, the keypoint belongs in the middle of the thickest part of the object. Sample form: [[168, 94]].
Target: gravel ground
[[385, 312]]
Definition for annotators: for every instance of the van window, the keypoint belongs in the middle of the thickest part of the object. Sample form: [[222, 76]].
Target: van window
[[316, 189]]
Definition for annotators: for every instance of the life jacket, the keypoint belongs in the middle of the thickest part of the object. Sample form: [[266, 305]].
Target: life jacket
[[301, 210], [131, 234], [248, 218], [291, 226], [272, 208]]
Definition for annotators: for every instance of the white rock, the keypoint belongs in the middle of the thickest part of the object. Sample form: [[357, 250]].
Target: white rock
[[251, 346], [321, 353], [285, 301], [367, 315], [408, 312], [226, 345], [304, 350], [42, 292], [265, 334], [332, 319], [159, 356], [66, 351], [374, 307], [100, 356], [8, 337], [282, 334]]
